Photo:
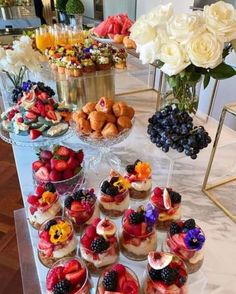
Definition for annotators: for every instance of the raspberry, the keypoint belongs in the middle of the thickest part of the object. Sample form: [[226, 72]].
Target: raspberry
[[158, 191], [86, 241], [90, 232], [119, 268]]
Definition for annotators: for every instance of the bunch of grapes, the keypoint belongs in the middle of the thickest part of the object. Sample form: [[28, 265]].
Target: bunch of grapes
[[173, 128]]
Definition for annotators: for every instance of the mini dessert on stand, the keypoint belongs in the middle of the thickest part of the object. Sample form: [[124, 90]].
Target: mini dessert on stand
[[138, 235], [118, 279], [99, 246], [80, 207], [68, 276], [139, 175], [43, 204], [168, 203], [186, 240], [114, 195], [165, 274], [56, 240]]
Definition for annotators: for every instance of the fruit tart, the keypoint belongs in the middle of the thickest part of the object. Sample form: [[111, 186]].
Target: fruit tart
[[99, 246], [118, 279], [168, 203], [187, 240], [114, 197], [165, 274], [43, 204], [68, 276], [138, 235], [56, 240], [139, 175], [80, 208]]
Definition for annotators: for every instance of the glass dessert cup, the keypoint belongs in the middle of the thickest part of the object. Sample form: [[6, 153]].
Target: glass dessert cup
[[69, 268], [167, 216], [56, 240], [156, 285], [37, 215], [130, 285], [116, 206], [139, 195]]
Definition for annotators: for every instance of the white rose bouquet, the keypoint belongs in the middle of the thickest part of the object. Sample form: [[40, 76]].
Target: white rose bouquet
[[187, 46]]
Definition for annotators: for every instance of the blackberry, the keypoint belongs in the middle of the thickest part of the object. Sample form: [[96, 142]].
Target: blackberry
[[175, 197], [79, 195], [182, 280], [49, 224], [68, 202], [155, 274], [50, 187], [169, 275], [104, 186], [174, 229], [113, 180], [137, 161], [136, 218], [189, 225], [112, 191], [99, 245], [110, 281], [130, 168], [62, 287]]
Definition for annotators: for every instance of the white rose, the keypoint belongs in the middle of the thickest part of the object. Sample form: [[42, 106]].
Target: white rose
[[150, 51], [142, 33], [182, 27], [174, 57], [205, 50], [159, 15], [220, 19]]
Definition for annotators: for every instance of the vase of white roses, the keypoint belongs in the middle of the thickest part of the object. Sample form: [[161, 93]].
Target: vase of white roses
[[187, 47]]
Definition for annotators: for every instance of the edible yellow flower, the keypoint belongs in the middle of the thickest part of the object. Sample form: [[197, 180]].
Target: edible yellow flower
[[122, 184], [59, 233], [48, 197], [143, 170]]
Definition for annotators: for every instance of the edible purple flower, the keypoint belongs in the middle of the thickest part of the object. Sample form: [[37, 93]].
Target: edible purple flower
[[194, 239], [151, 214]]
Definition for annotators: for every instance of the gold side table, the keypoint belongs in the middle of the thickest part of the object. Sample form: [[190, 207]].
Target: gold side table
[[206, 188]]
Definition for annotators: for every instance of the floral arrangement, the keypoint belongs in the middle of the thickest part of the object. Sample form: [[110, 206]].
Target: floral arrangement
[[187, 46], [15, 60]]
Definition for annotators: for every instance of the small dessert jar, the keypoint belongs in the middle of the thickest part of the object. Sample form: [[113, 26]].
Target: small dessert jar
[[68, 275], [138, 235], [80, 207], [187, 240], [56, 240], [99, 246], [165, 273], [168, 203], [118, 279]]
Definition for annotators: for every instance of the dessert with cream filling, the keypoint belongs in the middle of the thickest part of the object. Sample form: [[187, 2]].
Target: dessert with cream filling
[[99, 246], [56, 240], [68, 276], [43, 204], [138, 233], [139, 176], [186, 240], [165, 274], [168, 203]]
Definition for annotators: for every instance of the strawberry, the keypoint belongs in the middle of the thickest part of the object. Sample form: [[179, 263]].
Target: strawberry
[[86, 241], [77, 277], [51, 115], [158, 201], [71, 266], [77, 206], [48, 107], [46, 237], [53, 162], [96, 221], [67, 174], [130, 287], [63, 151], [120, 269], [43, 96], [54, 276], [128, 212], [72, 153], [48, 166], [32, 209], [158, 191], [134, 230], [72, 162], [121, 282], [35, 110], [30, 115], [39, 190], [42, 174], [60, 165], [80, 156], [36, 165], [77, 170], [33, 200], [106, 198], [54, 175], [20, 120], [34, 134], [90, 232]]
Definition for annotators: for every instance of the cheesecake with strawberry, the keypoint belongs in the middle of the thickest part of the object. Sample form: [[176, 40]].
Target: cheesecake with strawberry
[[139, 175], [68, 276], [165, 273], [138, 234], [56, 240], [118, 279], [80, 208], [99, 246], [43, 204], [187, 240], [60, 165], [114, 195], [168, 203]]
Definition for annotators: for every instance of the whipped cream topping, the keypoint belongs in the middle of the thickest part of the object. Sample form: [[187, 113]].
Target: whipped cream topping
[[142, 185], [121, 206], [67, 249]]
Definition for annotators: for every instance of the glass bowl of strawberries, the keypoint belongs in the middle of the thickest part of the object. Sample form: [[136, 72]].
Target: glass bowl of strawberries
[[61, 166]]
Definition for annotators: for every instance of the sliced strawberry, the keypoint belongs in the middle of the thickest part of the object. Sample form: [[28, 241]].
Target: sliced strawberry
[[143, 228], [80, 156], [33, 209], [77, 277], [130, 287], [33, 200], [60, 165], [158, 201], [71, 266], [34, 134], [121, 282], [158, 191], [77, 206], [128, 212], [72, 162], [91, 231], [30, 115], [120, 269], [48, 107], [54, 175], [35, 110], [39, 190], [43, 96], [42, 174], [86, 241], [44, 245], [106, 198], [36, 165], [134, 230], [51, 115], [54, 276], [96, 221], [63, 151]]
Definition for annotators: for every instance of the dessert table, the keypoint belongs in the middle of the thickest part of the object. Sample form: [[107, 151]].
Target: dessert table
[[218, 272]]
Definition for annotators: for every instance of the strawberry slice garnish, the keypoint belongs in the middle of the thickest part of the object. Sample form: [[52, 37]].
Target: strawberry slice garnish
[[71, 266], [77, 277], [33, 200], [130, 287], [51, 115], [54, 276], [36, 165], [30, 115], [48, 107], [34, 134], [39, 190], [42, 174], [35, 110]]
